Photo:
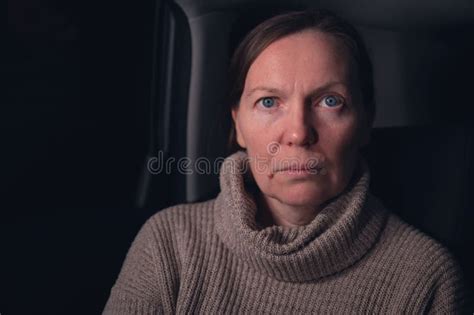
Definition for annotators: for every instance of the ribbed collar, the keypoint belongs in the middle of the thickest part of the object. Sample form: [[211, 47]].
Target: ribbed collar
[[336, 238]]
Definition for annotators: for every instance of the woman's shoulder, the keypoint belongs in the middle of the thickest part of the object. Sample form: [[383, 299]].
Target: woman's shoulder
[[153, 263], [408, 240], [178, 218], [407, 243], [421, 264], [419, 256]]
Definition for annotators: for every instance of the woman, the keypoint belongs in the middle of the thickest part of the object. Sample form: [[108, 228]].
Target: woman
[[294, 228]]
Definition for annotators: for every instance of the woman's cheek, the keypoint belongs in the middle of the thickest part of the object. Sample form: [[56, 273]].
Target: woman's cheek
[[262, 126], [254, 145], [343, 125], [337, 139]]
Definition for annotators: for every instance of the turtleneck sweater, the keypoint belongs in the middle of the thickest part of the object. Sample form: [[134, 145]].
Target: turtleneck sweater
[[214, 258]]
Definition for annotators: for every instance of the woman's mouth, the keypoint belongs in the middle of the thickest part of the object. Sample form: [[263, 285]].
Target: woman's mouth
[[301, 170]]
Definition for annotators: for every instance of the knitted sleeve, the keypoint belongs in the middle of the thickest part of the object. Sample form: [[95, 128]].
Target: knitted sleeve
[[448, 295], [142, 287]]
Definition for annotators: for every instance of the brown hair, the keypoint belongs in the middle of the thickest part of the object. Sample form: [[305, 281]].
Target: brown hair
[[289, 23]]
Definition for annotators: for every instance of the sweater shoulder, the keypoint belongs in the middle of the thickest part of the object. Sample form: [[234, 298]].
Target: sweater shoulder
[[182, 217], [150, 275], [418, 252], [426, 270], [406, 237], [404, 245]]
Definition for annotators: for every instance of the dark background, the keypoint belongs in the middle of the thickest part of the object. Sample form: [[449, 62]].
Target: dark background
[[74, 138]]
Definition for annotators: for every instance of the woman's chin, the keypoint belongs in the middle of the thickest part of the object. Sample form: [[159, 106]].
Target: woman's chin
[[303, 195]]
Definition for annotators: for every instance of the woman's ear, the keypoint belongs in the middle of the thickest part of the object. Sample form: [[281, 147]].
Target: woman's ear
[[238, 133]]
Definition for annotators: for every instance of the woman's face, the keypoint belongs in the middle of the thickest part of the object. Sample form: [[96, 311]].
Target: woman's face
[[300, 118]]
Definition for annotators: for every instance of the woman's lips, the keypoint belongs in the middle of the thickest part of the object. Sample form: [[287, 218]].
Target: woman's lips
[[302, 171], [299, 166]]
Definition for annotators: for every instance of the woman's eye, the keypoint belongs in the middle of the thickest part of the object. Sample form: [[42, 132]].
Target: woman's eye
[[267, 102], [331, 101]]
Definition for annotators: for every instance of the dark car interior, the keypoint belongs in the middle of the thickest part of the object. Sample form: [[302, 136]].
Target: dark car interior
[[94, 92]]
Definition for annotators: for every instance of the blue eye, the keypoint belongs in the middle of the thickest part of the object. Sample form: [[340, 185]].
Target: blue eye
[[267, 102], [331, 101]]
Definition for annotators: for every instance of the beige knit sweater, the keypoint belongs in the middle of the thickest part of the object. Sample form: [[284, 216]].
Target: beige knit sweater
[[354, 257]]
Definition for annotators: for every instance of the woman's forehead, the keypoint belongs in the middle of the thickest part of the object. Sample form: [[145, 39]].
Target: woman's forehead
[[307, 59]]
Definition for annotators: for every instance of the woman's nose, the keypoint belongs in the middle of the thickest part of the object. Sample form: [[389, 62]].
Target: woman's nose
[[299, 129]]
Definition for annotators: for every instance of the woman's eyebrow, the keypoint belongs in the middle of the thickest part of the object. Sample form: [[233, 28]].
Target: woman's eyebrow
[[262, 88], [312, 93]]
